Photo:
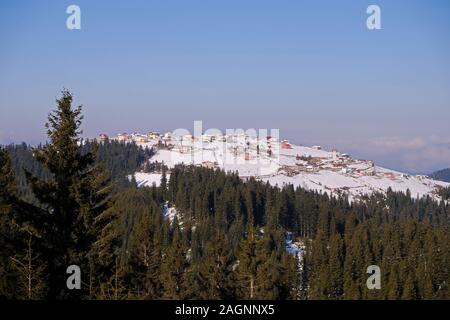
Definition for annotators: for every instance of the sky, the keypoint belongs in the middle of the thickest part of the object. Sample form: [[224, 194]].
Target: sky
[[310, 68]]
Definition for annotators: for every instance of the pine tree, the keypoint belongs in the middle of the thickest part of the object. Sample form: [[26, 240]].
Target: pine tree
[[409, 291], [393, 286], [153, 284], [9, 239], [249, 261], [268, 276], [336, 267], [164, 178], [8, 188], [104, 254], [320, 276], [173, 266], [216, 268], [72, 198], [290, 287], [354, 266], [31, 277]]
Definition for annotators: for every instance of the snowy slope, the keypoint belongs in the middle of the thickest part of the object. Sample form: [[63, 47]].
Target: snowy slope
[[148, 179], [281, 163]]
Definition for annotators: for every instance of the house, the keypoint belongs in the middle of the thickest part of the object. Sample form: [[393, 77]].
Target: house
[[206, 138], [231, 139], [317, 147], [140, 139], [208, 164], [346, 170], [123, 137], [285, 144], [370, 171], [153, 135], [185, 148], [336, 154], [391, 175]]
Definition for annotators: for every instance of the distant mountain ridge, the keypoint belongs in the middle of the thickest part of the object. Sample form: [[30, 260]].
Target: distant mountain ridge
[[441, 175]]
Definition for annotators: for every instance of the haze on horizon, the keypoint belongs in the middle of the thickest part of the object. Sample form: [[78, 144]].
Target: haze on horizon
[[309, 68]]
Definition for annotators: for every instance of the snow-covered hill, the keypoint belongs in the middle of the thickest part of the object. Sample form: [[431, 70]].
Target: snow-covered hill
[[280, 163]]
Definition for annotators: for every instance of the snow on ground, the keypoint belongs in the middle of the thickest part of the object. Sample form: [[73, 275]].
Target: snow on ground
[[281, 163], [144, 179], [169, 212], [333, 182], [295, 248]]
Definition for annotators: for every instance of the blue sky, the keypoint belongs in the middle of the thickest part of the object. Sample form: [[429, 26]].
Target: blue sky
[[308, 67]]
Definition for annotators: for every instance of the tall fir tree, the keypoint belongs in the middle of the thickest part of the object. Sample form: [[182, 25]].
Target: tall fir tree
[[249, 257], [174, 265], [74, 195], [216, 268]]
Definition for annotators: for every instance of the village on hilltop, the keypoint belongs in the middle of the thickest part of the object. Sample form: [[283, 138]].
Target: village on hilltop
[[282, 157]]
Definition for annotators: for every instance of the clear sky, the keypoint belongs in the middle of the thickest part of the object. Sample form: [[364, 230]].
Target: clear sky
[[310, 68]]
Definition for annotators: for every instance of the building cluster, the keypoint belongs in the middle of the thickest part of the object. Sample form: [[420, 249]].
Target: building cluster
[[239, 145], [336, 162], [243, 146]]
